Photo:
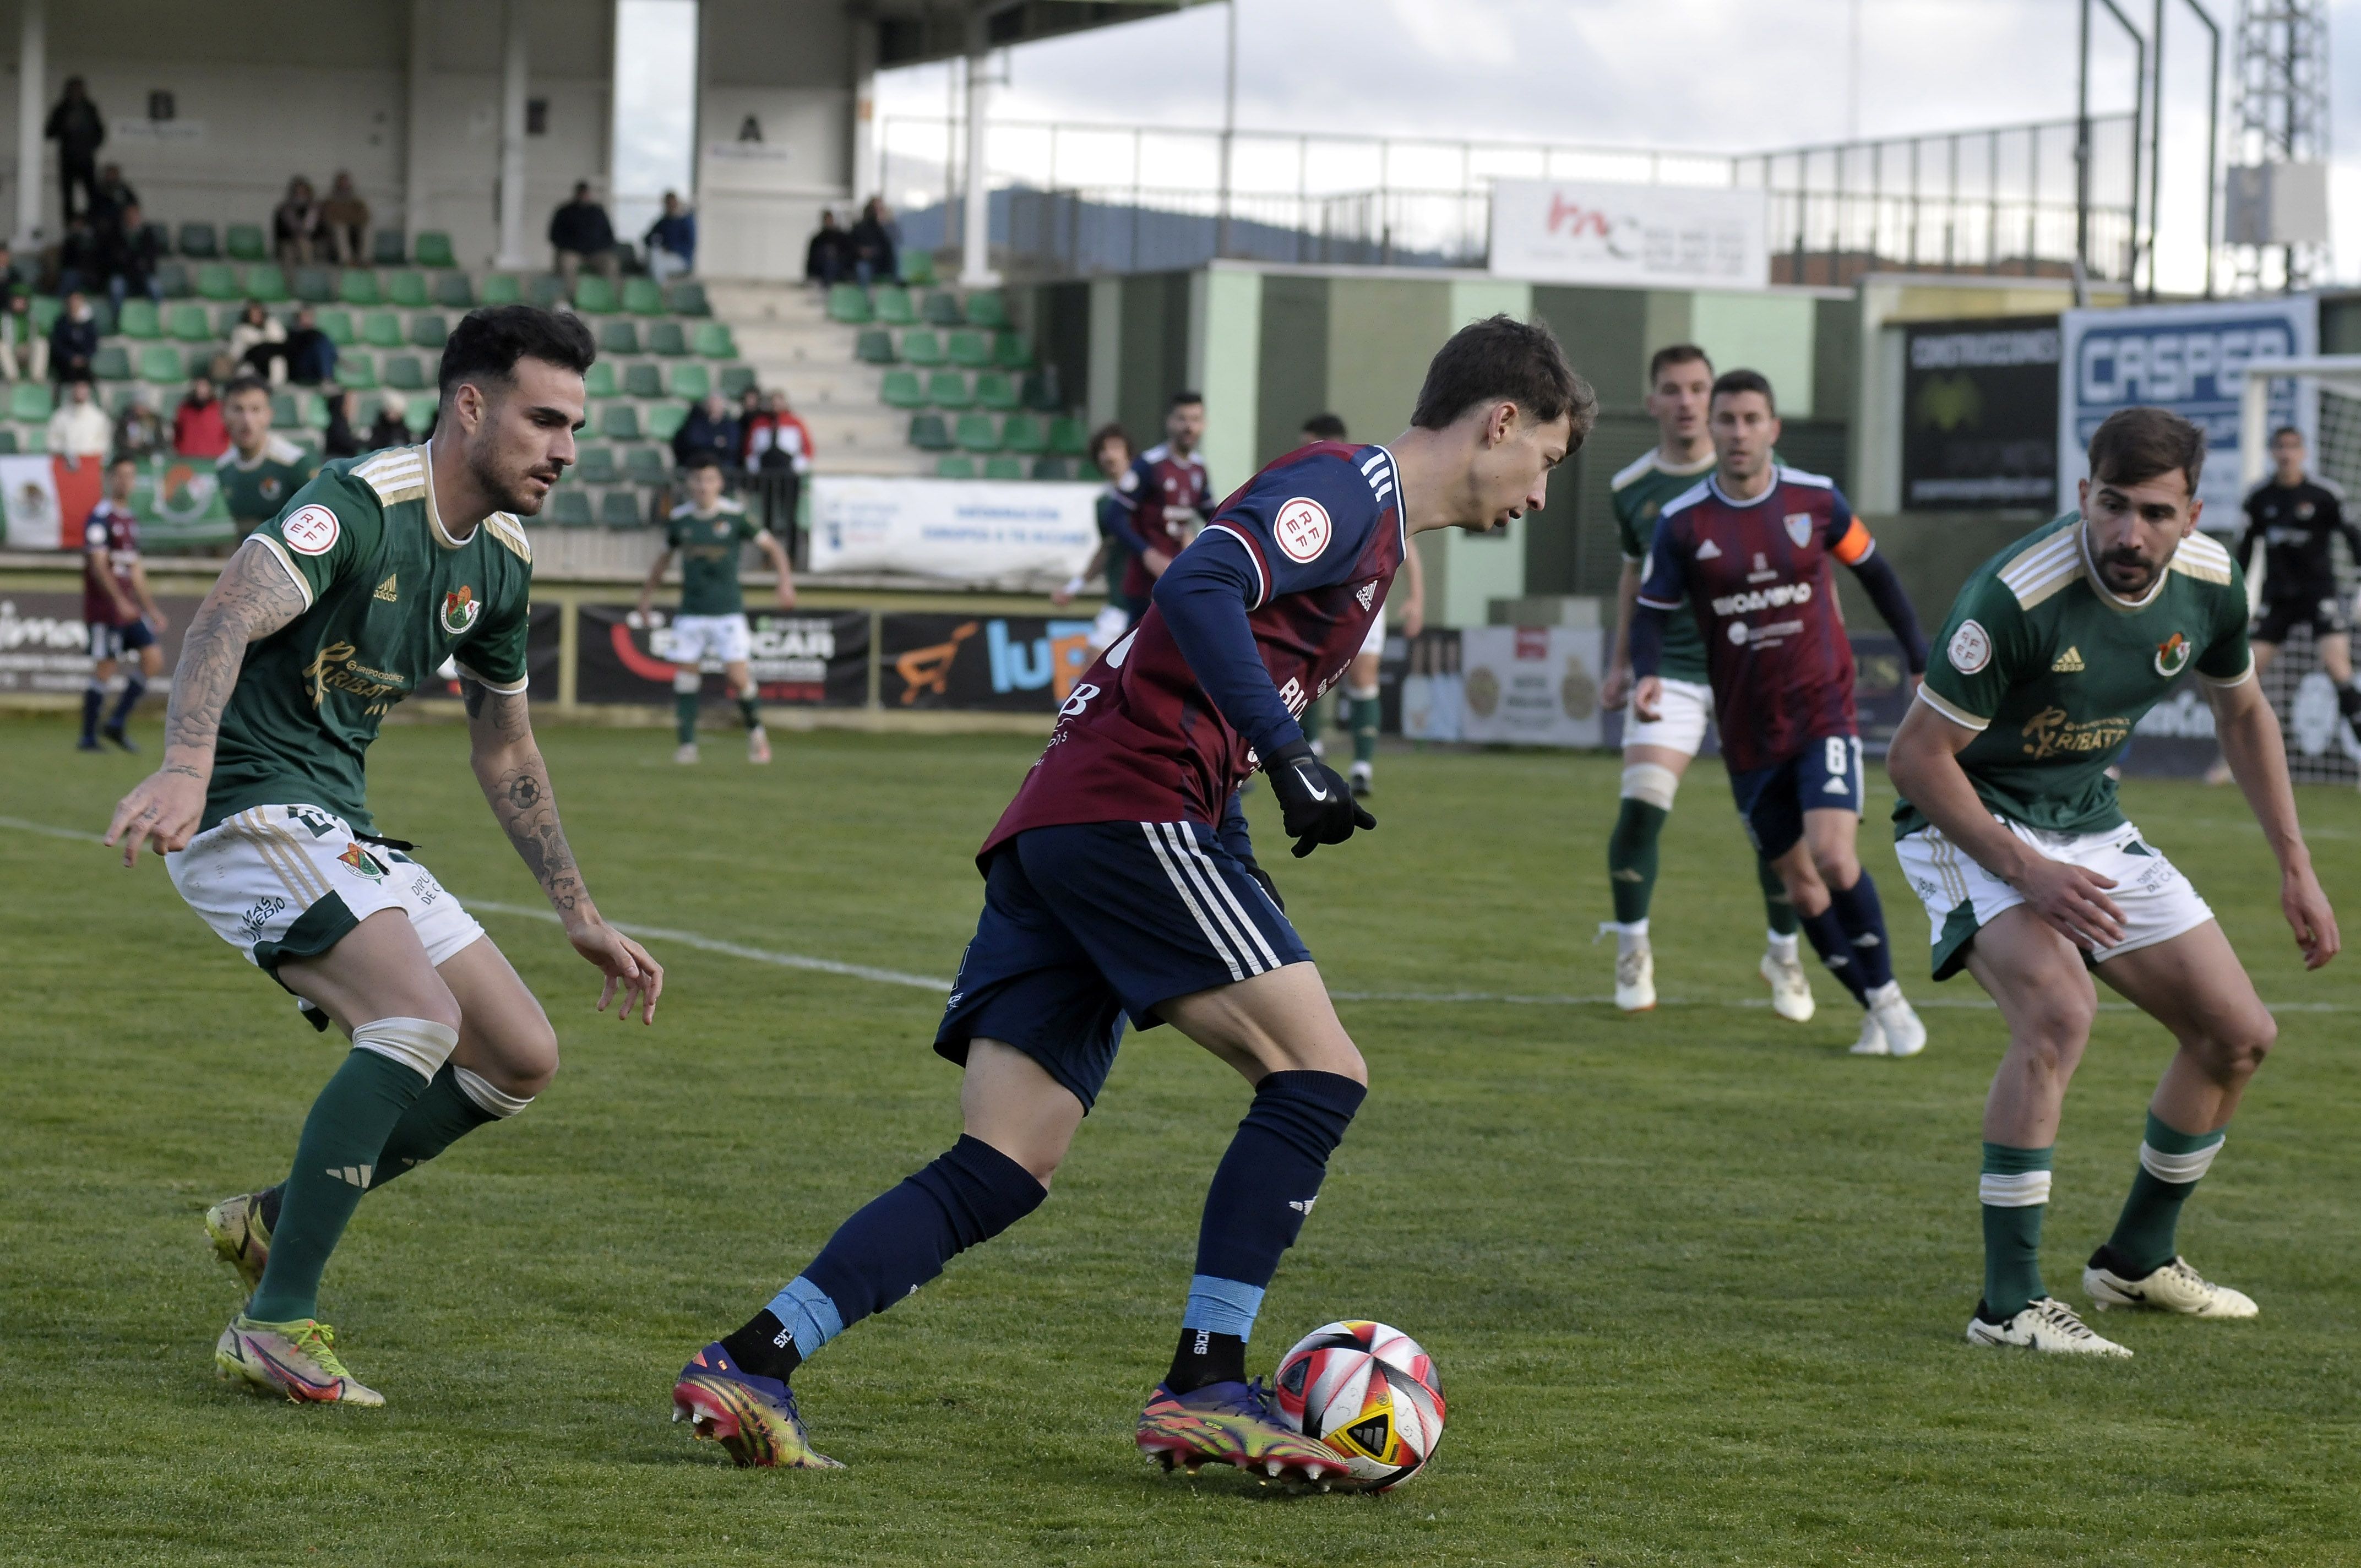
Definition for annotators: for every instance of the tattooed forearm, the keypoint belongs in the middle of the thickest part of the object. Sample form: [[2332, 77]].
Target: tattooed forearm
[[516, 784], [253, 598]]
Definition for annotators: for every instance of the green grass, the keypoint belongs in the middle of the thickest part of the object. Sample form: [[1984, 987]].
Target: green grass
[[1696, 1280]]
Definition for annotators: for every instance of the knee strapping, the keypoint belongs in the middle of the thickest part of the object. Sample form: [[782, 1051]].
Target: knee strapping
[[419, 1044], [687, 683], [1653, 782], [493, 1101]]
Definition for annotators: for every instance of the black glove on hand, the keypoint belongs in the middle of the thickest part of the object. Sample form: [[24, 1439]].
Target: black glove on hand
[[1315, 803]]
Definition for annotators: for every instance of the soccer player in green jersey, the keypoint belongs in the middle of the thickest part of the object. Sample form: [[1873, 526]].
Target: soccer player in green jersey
[[261, 468], [377, 571], [1657, 752], [710, 532], [2033, 880]]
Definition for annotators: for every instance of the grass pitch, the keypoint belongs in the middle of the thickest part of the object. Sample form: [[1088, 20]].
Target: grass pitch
[[1696, 1280]]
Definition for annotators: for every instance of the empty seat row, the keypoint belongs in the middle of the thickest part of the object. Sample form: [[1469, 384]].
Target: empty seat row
[[1024, 434], [967, 348], [617, 507], [631, 465], [951, 390], [708, 340], [246, 242], [142, 322], [890, 305], [691, 380], [958, 465]]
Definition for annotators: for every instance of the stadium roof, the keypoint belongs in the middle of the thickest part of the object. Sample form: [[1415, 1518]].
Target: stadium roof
[[912, 32]]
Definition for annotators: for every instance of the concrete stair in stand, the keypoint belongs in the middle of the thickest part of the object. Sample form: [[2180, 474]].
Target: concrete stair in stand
[[784, 331]]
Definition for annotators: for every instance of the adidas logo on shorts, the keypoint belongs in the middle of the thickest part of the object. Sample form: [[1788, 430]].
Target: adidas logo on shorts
[[2069, 662]]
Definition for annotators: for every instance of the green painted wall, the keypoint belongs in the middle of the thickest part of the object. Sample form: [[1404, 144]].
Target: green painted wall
[[1154, 364], [1227, 341], [1292, 371], [1774, 334]]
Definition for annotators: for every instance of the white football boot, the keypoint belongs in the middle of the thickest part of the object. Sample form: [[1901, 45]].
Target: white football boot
[[1905, 1034], [2175, 1288], [687, 753], [758, 745], [1871, 1042], [1635, 970], [2047, 1324], [1791, 989]]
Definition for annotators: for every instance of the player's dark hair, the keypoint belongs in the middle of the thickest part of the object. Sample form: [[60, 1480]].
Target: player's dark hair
[[1182, 399], [2135, 445], [1730, 382], [1502, 359], [1324, 427], [2285, 430], [244, 383], [1105, 434], [1676, 354], [702, 460], [488, 343], [121, 459]]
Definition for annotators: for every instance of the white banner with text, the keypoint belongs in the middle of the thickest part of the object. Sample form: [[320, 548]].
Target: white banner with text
[[965, 531], [1646, 236]]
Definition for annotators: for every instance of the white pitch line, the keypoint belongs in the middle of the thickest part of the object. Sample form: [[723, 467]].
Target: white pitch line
[[927, 983]]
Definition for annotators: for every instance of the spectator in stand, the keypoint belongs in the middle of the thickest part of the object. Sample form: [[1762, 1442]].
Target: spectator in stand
[[24, 352], [338, 440], [257, 342], [131, 255], [78, 128], [829, 258], [139, 428], [709, 429], [311, 354], [672, 242], [750, 414], [392, 426], [82, 263], [78, 430], [73, 342], [295, 224], [871, 244], [198, 430], [345, 219], [580, 233], [778, 445], [107, 202]]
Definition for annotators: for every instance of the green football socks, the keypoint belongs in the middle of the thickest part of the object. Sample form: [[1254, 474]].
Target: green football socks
[[1777, 907], [684, 708], [1364, 713], [435, 1120], [2015, 1188], [1631, 858], [2171, 1164], [747, 711]]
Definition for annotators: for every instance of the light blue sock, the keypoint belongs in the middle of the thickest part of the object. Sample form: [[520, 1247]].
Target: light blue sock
[[1217, 1305], [807, 1313]]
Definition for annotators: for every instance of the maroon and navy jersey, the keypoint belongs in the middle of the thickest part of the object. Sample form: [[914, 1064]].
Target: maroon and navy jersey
[[1159, 484], [110, 529], [1138, 738], [1757, 577]]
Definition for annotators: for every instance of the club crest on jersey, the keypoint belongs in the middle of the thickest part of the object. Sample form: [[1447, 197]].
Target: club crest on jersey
[[1303, 528], [364, 864], [311, 531], [1799, 528], [2172, 656], [460, 609]]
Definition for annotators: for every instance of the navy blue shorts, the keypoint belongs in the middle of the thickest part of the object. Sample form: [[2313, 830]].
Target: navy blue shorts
[[1092, 923], [1824, 776], [113, 641]]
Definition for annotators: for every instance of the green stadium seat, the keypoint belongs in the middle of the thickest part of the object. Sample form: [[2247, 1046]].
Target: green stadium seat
[[453, 292], [217, 282], [244, 243], [434, 249], [620, 421], [971, 350], [356, 372], [996, 391], [901, 390], [619, 337], [711, 340], [499, 289], [359, 286], [1004, 467], [406, 288], [622, 508], [312, 409], [188, 324], [647, 466], [286, 413], [7, 440], [594, 296], [387, 249], [687, 299], [917, 268], [267, 283], [547, 291], [667, 338], [173, 279], [198, 242], [954, 466], [570, 507], [598, 381], [928, 433], [381, 329], [161, 363], [943, 310], [1011, 351], [140, 319], [1041, 392], [664, 420], [1025, 435], [978, 432], [595, 466], [643, 380], [874, 347], [949, 390], [428, 332], [47, 309], [690, 380], [1051, 468], [643, 297], [924, 349], [736, 381], [893, 307], [404, 373], [313, 285], [846, 304], [1068, 437], [111, 363], [338, 326], [987, 309]]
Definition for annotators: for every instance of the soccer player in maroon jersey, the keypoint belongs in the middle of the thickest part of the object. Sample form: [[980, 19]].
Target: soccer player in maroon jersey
[[1119, 886], [1163, 501], [1749, 547], [117, 608]]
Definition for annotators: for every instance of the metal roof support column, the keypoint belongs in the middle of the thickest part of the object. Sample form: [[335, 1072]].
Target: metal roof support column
[[513, 82], [32, 100], [975, 251]]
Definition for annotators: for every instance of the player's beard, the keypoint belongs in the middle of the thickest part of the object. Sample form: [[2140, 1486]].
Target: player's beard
[[510, 492], [2124, 558]]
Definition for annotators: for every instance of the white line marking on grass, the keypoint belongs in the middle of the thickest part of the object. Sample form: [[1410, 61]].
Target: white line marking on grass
[[43, 828], [732, 949]]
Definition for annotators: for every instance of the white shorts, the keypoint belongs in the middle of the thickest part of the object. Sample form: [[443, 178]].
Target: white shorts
[[1962, 897], [697, 638], [288, 881], [1374, 643], [1108, 626], [1683, 713]]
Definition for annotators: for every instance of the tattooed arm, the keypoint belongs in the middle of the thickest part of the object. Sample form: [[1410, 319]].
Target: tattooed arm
[[253, 597], [516, 783]]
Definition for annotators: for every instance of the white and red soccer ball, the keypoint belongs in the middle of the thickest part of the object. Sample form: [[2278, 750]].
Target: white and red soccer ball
[[1367, 1391]]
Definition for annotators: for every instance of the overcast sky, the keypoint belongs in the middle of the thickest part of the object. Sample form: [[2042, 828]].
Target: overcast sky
[[1717, 74]]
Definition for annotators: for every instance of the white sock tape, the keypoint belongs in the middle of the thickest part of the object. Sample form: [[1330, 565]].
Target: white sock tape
[[493, 1101], [2178, 1168], [1651, 782], [419, 1044], [687, 683], [2023, 1190], [1359, 694]]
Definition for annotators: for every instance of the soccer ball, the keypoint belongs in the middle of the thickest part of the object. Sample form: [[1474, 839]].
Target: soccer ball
[[1368, 1392]]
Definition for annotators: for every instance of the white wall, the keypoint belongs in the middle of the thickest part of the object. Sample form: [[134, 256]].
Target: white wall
[[789, 67]]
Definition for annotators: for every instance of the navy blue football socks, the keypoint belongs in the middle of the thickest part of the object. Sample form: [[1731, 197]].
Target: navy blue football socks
[[134, 688], [969, 1194], [1857, 909], [1825, 932]]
